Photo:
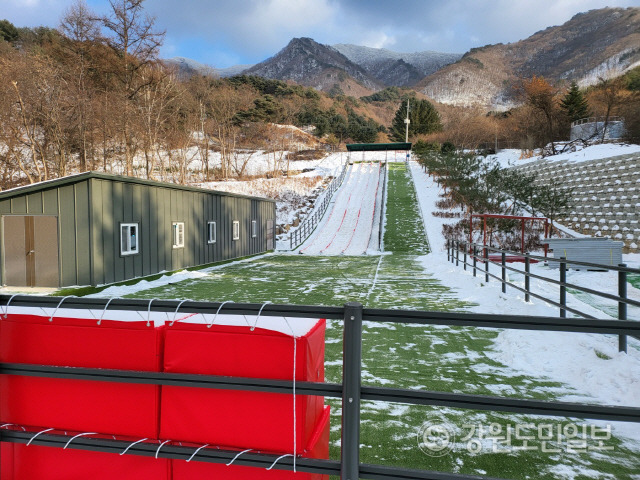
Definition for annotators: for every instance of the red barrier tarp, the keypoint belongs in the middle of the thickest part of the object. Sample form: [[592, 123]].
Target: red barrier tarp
[[78, 405], [317, 448], [237, 418], [33, 462]]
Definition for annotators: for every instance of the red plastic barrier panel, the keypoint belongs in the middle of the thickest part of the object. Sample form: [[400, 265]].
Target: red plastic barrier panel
[[21, 462], [78, 405], [241, 419], [318, 448]]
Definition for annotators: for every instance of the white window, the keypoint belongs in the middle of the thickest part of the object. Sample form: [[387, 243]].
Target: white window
[[254, 229], [236, 230], [178, 234], [211, 232], [129, 239]]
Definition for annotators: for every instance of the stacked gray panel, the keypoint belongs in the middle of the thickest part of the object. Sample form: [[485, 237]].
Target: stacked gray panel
[[602, 251]]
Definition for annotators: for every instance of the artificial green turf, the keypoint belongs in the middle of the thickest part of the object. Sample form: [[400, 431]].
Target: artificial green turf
[[430, 358], [404, 233]]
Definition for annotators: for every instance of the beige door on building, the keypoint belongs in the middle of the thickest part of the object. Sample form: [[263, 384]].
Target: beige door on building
[[30, 245]]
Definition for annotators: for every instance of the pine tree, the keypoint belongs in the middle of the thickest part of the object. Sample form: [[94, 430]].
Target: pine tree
[[574, 103], [8, 32], [424, 119]]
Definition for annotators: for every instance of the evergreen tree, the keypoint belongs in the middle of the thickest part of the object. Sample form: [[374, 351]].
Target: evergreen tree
[[424, 119], [574, 103], [8, 32]]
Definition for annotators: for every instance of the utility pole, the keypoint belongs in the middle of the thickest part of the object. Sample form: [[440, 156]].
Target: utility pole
[[407, 122], [406, 134]]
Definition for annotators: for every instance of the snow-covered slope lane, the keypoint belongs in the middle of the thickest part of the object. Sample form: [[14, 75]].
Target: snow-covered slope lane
[[348, 227]]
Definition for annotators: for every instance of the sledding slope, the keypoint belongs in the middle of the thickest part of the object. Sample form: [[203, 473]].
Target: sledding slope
[[349, 225]]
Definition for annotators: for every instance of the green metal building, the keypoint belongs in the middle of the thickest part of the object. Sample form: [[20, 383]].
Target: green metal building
[[95, 228]]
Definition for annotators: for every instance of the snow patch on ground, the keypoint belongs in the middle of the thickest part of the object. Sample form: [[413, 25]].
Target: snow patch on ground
[[290, 193], [119, 291], [295, 195], [588, 364], [512, 157]]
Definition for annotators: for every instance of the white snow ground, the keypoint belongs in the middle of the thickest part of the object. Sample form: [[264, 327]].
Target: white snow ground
[[512, 157], [588, 364], [347, 228]]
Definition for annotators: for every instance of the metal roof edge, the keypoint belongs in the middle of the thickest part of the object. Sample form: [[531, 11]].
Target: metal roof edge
[[79, 177]]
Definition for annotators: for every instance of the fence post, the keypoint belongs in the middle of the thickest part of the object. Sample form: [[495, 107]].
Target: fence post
[[351, 383], [486, 264], [563, 288], [622, 307], [504, 273], [475, 259], [527, 280], [448, 250], [464, 264], [457, 243]]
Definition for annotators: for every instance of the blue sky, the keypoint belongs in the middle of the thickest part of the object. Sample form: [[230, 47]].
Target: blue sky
[[222, 33]]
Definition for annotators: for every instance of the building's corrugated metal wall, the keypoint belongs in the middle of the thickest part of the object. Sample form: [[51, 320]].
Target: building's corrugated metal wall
[[155, 209], [91, 210]]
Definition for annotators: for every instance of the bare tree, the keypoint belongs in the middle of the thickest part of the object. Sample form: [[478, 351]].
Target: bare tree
[[154, 106], [225, 102], [136, 43], [542, 97], [79, 25], [202, 121], [25, 83], [610, 93]]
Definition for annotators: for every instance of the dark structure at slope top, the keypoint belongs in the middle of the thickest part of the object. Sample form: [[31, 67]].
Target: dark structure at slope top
[[394, 68], [304, 61]]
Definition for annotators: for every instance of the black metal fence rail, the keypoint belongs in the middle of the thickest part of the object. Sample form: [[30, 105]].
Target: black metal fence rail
[[306, 228], [478, 252], [350, 389]]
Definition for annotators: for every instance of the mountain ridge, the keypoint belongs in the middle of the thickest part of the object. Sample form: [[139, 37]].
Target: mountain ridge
[[377, 61], [603, 42], [590, 45], [310, 63]]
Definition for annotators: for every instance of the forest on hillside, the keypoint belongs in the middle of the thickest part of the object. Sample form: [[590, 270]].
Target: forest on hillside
[[92, 94]]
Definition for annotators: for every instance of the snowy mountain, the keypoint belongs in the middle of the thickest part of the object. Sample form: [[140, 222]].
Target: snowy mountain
[[592, 44], [308, 62], [394, 68], [188, 66], [597, 43]]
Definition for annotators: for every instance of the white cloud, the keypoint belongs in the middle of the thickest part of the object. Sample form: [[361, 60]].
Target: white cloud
[[251, 30], [275, 22]]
